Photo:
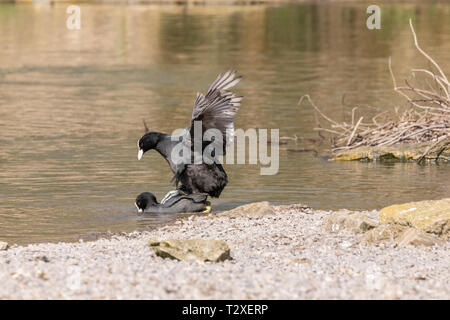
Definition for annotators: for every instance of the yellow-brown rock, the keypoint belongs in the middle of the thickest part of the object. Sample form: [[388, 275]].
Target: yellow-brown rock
[[349, 221], [399, 152], [252, 210], [383, 232], [191, 249], [3, 245], [430, 216]]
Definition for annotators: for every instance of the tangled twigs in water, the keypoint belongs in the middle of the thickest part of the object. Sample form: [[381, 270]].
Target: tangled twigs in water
[[428, 119]]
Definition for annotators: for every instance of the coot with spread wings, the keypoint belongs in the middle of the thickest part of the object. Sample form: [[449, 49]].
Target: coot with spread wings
[[214, 110]]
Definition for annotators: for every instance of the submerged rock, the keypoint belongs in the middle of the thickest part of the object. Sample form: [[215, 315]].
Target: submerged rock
[[399, 152], [191, 250], [254, 210], [349, 221], [431, 216], [3, 245], [416, 237]]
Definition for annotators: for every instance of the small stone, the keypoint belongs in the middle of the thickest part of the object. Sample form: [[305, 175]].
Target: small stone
[[254, 210], [348, 220], [345, 244], [299, 260], [3, 245], [43, 258], [346, 270], [191, 250], [295, 207], [41, 275], [415, 237]]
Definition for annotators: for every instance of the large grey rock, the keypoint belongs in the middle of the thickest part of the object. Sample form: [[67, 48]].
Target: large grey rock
[[191, 250], [3, 245], [254, 210], [349, 221]]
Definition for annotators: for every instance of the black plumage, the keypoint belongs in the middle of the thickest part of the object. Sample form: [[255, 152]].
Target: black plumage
[[147, 202], [215, 110]]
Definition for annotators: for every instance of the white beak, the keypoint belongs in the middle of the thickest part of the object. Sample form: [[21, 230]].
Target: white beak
[[140, 154], [139, 209]]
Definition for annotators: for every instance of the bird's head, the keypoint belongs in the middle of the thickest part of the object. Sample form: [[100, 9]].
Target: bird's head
[[147, 142], [145, 200]]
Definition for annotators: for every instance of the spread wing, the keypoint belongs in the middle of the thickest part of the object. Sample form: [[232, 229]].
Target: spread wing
[[218, 107]]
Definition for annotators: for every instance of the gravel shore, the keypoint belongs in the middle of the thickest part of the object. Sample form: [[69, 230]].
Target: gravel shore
[[287, 255]]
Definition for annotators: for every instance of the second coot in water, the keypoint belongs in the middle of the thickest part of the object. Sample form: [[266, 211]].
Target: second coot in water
[[147, 202]]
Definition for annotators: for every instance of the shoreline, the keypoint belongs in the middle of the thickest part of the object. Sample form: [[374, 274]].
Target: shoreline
[[286, 254]]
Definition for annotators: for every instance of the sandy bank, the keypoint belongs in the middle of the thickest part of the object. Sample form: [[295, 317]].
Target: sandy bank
[[287, 255]]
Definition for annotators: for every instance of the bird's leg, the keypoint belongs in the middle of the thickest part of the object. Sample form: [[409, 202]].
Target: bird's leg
[[207, 208], [171, 194]]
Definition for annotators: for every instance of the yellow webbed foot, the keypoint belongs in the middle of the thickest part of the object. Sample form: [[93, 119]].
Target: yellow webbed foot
[[207, 210]]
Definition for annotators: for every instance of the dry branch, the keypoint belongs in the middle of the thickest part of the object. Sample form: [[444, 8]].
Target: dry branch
[[427, 120]]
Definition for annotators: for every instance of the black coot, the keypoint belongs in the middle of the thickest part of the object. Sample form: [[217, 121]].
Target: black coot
[[215, 110], [146, 202]]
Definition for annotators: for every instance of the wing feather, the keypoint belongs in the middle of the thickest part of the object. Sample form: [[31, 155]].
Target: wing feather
[[217, 109]]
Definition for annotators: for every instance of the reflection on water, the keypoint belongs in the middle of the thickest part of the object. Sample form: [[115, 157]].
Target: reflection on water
[[72, 102]]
